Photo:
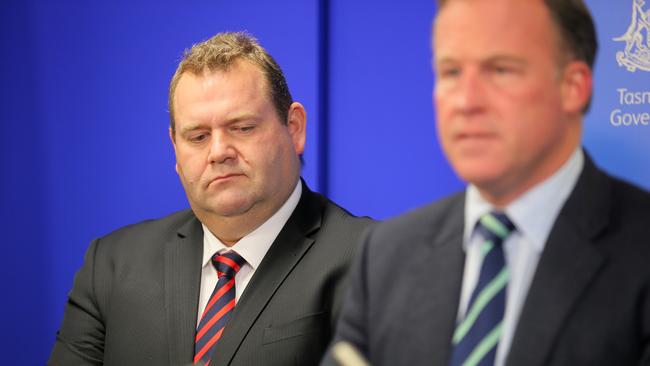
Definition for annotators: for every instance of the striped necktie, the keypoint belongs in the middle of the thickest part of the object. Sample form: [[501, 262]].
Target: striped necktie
[[476, 337], [219, 307]]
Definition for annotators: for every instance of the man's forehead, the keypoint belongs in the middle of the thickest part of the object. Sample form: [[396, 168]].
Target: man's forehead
[[239, 65], [239, 75], [492, 11], [491, 27], [493, 58]]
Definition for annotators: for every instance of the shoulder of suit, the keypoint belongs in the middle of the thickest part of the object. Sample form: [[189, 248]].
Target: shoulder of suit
[[624, 239], [622, 199], [429, 214], [630, 215], [633, 197], [332, 212], [420, 225], [162, 227]]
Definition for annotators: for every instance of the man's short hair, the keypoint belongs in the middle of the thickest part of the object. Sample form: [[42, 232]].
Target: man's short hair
[[575, 26], [222, 51]]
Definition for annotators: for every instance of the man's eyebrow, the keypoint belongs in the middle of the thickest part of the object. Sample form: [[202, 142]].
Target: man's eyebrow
[[231, 120], [494, 58], [443, 60], [242, 117], [505, 58], [191, 127]]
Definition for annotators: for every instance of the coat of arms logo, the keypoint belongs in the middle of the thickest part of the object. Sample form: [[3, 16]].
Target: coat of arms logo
[[637, 40]]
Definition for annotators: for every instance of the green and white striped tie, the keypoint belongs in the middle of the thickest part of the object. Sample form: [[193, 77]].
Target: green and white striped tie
[[477, 336]]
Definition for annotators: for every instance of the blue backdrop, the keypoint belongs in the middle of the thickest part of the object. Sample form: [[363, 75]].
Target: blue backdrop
[[84, 121]]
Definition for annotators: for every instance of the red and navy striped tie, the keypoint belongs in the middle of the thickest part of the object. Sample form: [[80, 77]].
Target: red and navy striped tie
[[219, 307], [477, 336]]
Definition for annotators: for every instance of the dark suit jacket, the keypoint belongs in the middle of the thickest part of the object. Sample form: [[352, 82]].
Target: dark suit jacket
[[588, 304], [135, 300]]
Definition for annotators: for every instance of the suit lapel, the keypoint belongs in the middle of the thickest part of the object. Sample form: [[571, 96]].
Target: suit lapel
[[439, 274], [283, 255], [568, 264], [183, 254]]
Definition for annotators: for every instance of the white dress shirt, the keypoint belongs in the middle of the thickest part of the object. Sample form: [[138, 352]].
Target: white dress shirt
[[533, 215], [252, 248]]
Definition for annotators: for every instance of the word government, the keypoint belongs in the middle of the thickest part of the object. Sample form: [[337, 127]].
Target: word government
[[619, 118]]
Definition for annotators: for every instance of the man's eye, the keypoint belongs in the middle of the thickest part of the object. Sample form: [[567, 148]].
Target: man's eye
[[448, 72], [199, 137], [244, 129], [501, 69], [505, 69]]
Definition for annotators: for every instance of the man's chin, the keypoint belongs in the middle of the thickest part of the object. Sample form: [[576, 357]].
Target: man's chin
[[226, 207], [231, 209], [477, 172]]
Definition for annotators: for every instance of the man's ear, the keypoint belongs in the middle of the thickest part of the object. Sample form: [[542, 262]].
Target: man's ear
[[297, 126], [172, 137], [577, 84]]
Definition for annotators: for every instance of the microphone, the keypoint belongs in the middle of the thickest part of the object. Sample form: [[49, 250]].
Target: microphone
[[348, 355]]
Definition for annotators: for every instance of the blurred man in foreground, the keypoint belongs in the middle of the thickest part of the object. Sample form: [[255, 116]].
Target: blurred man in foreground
[[543, 259], [253, 273]]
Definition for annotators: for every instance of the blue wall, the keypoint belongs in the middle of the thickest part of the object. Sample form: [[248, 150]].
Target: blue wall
[[26, 311], [384, 158], [84, 122]]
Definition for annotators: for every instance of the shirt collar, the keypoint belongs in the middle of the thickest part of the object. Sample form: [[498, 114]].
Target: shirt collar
[[253, 247], [534, 212]]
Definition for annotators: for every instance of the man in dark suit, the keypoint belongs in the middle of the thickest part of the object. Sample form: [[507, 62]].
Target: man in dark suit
[[253, 273], [544, 259]]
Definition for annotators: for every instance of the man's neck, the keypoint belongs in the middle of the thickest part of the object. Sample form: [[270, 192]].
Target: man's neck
[[508, 189]]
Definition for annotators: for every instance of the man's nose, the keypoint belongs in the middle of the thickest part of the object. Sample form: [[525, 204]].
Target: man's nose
[[222, 149], [470, 94]]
